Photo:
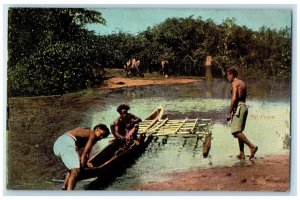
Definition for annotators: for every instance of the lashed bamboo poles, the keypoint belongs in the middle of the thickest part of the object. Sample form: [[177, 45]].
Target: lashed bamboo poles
[[155, 128], [186, 127], [171, 127]]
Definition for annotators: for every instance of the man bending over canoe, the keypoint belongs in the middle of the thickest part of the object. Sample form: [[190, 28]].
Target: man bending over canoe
[[125, 127], [66, 149]]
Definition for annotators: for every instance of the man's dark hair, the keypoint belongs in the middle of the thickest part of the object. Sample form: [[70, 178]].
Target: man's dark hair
[[122, 106], [232, 71], [104, 128]]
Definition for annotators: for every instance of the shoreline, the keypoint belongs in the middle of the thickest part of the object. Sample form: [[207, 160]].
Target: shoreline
[[268, 174], [114, 83], [117, 83]]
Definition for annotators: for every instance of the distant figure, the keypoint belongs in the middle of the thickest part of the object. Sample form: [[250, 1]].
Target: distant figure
[[66, 149], [132, 68], [165, 68], [238, 112], [125, 127], [127, 68]]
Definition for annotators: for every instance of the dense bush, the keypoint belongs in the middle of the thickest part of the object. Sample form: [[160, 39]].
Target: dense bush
[[186, 42], [57, 69], [50, 52]]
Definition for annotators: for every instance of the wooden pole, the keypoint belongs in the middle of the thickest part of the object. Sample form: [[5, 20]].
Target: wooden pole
[[206, 145], [208, 73]]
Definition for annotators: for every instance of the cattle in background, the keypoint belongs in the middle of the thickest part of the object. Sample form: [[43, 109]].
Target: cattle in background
[[132, 68], [165, 68]]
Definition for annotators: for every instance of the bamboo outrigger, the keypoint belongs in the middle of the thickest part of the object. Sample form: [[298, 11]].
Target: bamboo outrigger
[[198, 128]]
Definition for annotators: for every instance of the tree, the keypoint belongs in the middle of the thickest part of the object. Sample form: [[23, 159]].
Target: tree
[[188, 42], [52, 46]]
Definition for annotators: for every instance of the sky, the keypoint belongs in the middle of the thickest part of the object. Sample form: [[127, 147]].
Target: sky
[[135, 20]]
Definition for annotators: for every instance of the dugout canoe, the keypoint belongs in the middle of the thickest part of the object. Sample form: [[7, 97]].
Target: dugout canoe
[[113, 159]]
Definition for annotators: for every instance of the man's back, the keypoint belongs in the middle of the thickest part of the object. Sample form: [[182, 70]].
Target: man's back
[[81, 134], [241, 90]]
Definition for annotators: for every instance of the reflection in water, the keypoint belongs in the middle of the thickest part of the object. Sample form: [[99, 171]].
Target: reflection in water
[[209, 85], [130, 93], [217, 89], [267, 126]]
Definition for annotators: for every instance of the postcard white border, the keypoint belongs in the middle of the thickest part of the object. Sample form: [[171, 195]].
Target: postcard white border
[[275, 4]]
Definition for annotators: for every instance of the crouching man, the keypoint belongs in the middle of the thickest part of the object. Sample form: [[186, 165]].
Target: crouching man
[[66, 149]]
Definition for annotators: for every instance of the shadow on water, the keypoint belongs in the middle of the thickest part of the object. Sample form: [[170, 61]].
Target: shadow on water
[[107, 178], [109, 175], [117, 167]]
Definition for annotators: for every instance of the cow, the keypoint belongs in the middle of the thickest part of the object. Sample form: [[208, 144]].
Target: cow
[[132, 68], [165, 68]]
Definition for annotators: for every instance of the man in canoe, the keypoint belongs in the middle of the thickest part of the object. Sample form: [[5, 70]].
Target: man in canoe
[[66, 149], [238, 112], [125, 127]]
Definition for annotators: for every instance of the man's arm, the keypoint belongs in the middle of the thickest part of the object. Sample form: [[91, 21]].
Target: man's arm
[[117, 128], [234, 99], [87, 148], [136, 119]]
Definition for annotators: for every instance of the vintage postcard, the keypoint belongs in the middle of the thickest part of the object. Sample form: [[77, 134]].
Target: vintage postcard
[[148, 98]]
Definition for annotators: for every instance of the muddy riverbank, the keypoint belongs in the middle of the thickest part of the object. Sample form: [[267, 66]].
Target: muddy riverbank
[[270, 173]]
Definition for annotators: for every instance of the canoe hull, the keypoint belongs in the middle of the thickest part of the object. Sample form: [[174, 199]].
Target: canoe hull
[[111, 159], [115, 162]]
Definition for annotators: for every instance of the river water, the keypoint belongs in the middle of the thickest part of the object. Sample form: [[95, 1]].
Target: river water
[[268, 127]]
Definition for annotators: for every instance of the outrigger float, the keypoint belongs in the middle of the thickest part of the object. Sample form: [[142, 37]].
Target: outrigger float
[[154, 126], [198, 128]]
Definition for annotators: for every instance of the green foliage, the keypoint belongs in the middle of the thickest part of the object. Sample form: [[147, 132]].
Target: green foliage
[[57, 69], [186, 42], [50, 52]]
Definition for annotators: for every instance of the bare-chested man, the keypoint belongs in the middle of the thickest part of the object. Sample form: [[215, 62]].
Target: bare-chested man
[[238, 112], [126, 125], [67, 145]]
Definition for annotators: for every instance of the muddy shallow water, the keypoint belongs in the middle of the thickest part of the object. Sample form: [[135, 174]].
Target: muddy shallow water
[[44, 119]]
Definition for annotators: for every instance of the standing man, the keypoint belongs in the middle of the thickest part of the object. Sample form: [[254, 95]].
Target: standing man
[[66, 149], [238, 112]]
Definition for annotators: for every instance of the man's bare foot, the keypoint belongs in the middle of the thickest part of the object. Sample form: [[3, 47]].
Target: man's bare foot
[[241, 156], [253, 151]]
